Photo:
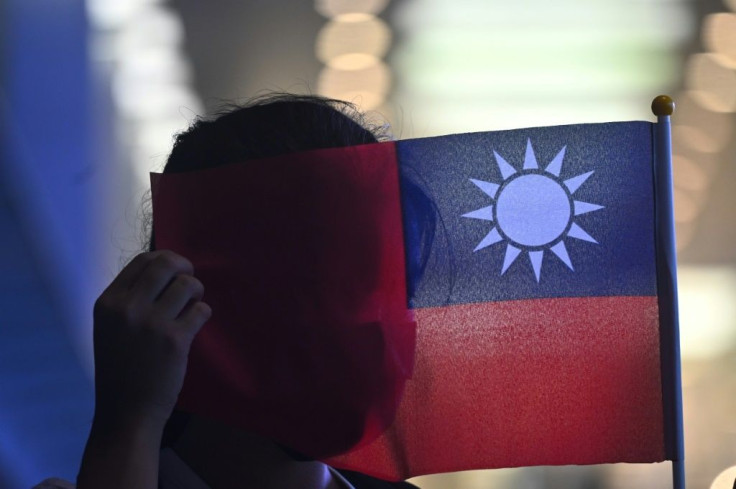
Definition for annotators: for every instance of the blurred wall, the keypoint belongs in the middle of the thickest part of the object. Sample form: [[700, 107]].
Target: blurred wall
[[240, 49]]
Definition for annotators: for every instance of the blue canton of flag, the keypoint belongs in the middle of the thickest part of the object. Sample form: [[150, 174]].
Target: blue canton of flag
[[543, 212]]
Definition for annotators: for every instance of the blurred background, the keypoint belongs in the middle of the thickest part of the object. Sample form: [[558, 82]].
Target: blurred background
[[91, 93]]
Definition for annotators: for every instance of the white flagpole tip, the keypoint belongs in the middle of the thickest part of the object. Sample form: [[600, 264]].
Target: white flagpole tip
[[663, 105]]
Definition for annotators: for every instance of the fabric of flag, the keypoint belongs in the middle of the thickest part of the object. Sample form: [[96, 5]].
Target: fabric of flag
[[538, 333], [533, 335], [302, 259]]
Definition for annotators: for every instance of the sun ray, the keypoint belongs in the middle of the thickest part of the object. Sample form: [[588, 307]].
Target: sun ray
[[574, 183], [584, 207], [491, 238], [577, 232], [561, 252], [486, 213], [530, 161], [556, 164], [488, 188], [506, 169], [511, 253], [536, 259]]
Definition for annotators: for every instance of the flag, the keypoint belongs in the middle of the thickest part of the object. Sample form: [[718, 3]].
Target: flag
[[538, 334], [489, 299]]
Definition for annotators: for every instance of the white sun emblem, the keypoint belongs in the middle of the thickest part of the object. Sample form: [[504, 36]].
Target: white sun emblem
[[533, 211]]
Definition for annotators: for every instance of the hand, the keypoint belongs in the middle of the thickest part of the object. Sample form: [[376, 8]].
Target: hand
[[144, 324]]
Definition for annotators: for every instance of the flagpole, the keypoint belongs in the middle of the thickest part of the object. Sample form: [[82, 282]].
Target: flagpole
[[663, 107]]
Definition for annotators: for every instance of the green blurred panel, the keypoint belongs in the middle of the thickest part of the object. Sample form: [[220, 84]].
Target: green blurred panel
[[533, 62]]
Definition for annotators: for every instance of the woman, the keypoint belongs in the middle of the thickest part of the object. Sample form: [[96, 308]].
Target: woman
[[146, 320]]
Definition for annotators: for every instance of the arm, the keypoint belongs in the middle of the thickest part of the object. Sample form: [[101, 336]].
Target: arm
[[144, 324], [121, 455]]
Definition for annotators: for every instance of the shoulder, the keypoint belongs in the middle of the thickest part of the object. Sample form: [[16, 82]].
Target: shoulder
[[54, 483], [362, 481]]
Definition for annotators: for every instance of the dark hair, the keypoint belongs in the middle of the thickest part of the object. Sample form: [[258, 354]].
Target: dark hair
[[278, 124], [268, 126]]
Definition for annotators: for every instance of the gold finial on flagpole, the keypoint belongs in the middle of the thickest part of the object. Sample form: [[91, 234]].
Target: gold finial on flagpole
[[663, 105]]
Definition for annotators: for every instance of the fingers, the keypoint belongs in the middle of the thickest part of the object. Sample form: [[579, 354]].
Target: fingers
[[182, 290], [132, 273], [180, 302], [157, 288], [157, 275], [193, 317]]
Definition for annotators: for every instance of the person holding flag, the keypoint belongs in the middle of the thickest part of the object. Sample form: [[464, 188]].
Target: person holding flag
[[146, 320], [389, 309]]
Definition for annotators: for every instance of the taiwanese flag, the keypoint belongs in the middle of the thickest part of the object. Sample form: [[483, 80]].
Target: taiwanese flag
[[432, 305]]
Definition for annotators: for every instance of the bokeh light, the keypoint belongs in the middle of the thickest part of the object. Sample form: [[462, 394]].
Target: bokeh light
[[353, 35], [712, 81], [726, 479], [688, 175], [686, 206], [352, 46], [711, 131], [719, 35], [707, 311], [365, 87], [333, 8]]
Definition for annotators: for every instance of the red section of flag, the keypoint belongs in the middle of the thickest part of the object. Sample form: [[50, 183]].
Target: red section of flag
[[302, 260], [529, 382]]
